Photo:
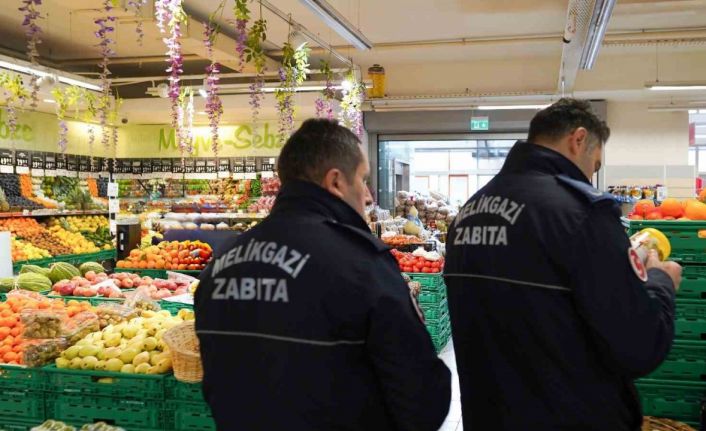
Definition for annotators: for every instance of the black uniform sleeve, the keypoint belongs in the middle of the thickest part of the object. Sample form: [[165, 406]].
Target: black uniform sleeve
[[416, 384], [633, 321]]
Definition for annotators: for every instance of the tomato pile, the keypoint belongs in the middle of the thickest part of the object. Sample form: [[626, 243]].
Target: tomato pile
[[410, 263]]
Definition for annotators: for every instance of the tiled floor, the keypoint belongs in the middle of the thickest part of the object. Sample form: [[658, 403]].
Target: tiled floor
[[453, 420]]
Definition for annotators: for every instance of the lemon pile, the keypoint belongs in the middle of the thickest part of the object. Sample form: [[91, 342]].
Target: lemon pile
[[74, 240]]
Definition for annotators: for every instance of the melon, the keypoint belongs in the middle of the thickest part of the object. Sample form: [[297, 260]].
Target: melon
[[34, 282], [63, 271], [91, 266], [35, 269], [7, 284]]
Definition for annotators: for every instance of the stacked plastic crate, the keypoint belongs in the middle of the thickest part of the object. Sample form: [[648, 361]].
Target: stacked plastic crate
[[435, 306], [677, 388]]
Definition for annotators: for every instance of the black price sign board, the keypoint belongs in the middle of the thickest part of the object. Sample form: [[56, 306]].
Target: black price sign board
[[97, 164], [146, 166], [50, 162], [224, 165], [84, 164], [136, 167], [22, 159], [167, 166], [189, 166], [250, 167], [71, 163], [178, 167], [200, 166], [267, 165], [211, 166], [118, 167], [37, 161], [156, 165], [6, 158], [61, 161], [126, 167]]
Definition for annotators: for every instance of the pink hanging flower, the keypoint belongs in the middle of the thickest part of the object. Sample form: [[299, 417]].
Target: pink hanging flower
[[138, 5], [32, 31], [105, 28]]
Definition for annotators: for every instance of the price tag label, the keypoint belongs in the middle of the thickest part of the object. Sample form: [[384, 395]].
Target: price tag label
[[112, 190], [50, 172], [7, 169], [267, 174], [251, 176], [38, 172], [84, 175], [22, 170], [114, 205], [113, 227], [239, 176], [224, 174]]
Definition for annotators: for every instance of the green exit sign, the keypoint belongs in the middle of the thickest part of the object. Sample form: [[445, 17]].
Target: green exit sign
[[480, 123]]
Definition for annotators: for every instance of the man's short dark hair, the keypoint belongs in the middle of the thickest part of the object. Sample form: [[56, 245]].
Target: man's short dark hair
[[317, 147], [565, 116]]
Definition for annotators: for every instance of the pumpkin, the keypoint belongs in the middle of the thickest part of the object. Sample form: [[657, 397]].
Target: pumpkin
[[671, 208]]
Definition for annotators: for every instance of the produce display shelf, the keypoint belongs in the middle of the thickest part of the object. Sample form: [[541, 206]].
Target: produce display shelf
[[104, 383], [129, 414], [180, 391], [441, 340], [686, 361], [12, 424], [671, 399], [431, 298], [435, 312], [69, 258], [45, 213], [19, 377], [438, 327], [687, 238], [690, 319], [186, 416], [24, 404], [174, 307]]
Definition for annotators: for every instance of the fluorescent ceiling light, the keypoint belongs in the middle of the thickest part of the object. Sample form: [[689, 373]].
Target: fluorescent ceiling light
[[62, 77], [675, 86], [49, 101], [338, 23], [507, 107], [202, 92], [700, 136], [596, 31], [693, 111]]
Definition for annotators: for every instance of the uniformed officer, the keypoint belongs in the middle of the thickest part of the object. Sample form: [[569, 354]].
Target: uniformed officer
[[551, 320], [305, 322]]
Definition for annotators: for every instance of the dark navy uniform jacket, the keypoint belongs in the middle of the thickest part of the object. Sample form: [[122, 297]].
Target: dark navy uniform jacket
[[550, 322], [305, 323]]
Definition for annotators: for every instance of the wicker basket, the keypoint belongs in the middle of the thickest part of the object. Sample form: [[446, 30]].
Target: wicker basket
[[659, 424], [186, 358]]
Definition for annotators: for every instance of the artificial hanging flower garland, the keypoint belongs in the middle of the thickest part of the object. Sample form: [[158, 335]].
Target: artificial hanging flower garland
[[15, 93], [254, 53], [105, 29], [292, 74], [242, 16], [214, 106], [32, 31], [324, 103], [170, 15], [351, 115], [138, 5]]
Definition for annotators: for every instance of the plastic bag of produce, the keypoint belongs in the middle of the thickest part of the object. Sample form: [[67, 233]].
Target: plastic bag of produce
[[52, 425], [42, 352], [79, 326], [26, 294], [42, 323], [113, 314], [141, 300], [100, 426]]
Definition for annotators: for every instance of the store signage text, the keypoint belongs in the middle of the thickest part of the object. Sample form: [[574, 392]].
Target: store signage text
[[242, 138], [23, 132], [480, 123]]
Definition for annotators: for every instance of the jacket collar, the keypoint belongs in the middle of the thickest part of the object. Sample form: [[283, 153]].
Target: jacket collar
[[528, 157], [306, 196]]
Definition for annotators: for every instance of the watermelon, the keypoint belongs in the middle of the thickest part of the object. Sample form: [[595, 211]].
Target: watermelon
[[35, 269], [91, 266], [63, 271], [7, 284], [34, 282]]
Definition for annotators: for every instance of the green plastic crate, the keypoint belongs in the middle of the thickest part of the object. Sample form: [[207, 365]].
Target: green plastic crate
[[687, 246], [435, 312], [431, 298], [18, 377], [180, 391], [441, 340], [174, 307], [686, 361], [104, 383], [119, 411], [184, 416], [438, 327], [693, 284], [13, 424], [429, 282], [22, 404], [690, 320], [672, 399]]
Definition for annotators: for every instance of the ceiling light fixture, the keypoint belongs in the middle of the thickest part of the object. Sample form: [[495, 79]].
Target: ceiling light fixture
[[338, 23], [15, 65], [596, 31], [49, 101], [297, 39], [675, 86], [700, 136], [509, 107]]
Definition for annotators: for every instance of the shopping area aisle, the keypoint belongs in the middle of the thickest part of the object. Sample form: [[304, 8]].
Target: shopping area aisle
[[453, 420]]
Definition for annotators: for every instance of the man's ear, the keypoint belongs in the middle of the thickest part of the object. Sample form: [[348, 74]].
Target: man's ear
[[578, 141], [333, 182]]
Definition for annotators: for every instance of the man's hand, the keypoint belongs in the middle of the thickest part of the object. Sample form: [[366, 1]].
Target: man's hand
[[673, 269]]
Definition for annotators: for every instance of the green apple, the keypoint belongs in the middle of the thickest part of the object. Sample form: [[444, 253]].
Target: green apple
[[150, 344], [130, 331], [141, 358], [89, 363], [128, 355], [111, 352], [142, 368], [62, 363], [113, 340], [128, 369], [100, 365], [88, 351], [76, 363], [71, 352]]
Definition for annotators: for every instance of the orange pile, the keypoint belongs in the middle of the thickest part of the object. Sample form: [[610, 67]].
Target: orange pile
[[184, 255], [92, 187], [12, 344], [27, 192], [21, 226]]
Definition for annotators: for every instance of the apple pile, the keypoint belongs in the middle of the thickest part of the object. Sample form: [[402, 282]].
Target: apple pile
[[90, 285], [160, 289]]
